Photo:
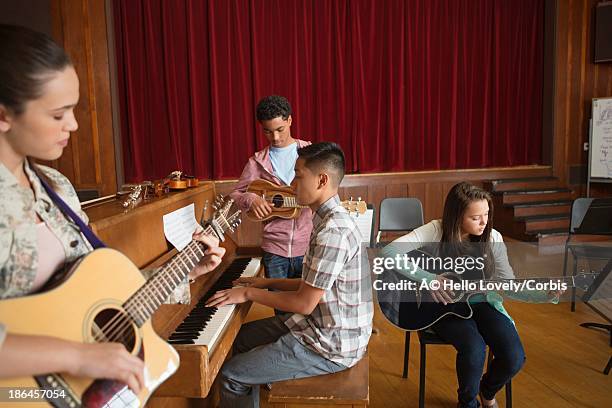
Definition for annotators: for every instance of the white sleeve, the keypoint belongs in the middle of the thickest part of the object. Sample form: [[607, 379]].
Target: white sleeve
[[503, 270]]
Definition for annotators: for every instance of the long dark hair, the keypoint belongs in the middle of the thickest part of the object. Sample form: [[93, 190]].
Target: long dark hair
[[27, 57], [460, 196], [27, 60]]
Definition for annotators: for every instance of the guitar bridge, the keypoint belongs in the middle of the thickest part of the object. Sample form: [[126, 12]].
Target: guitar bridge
[[56, 384]]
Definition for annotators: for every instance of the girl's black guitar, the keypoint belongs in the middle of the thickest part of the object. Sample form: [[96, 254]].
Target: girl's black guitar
[[411, 307]]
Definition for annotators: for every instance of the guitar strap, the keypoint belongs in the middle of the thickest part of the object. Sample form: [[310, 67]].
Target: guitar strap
[[65, 208]]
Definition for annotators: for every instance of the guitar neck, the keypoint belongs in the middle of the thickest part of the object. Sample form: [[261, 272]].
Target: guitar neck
[[291, 202], [566, 279], [142, 304]]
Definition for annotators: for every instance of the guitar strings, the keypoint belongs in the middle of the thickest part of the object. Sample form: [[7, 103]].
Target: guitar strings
[[118, 325], [117, 332]]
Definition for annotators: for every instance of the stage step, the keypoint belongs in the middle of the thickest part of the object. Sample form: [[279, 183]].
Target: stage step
[[531, 196], [531, 209], [542, 208], [542, 183], [544, 222]]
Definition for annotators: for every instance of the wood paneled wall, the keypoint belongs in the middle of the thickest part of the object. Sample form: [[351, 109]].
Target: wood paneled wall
[[577, 81], [89, 160], [430, 187]]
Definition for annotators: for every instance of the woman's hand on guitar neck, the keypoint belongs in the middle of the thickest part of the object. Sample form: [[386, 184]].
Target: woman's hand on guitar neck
[[261, 208], [212, 255], [441, 295], [555, 295]]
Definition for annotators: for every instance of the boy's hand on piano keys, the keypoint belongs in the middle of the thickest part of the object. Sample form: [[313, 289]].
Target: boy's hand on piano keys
[[228, 297], [252, 282], [212, 255]]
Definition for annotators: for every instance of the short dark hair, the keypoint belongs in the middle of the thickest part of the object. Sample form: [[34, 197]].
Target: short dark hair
[[26, 57], [272, 107], [326, 155]]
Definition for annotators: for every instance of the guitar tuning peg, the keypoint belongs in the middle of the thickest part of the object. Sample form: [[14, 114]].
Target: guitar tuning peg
[[203, 217], [351, 198], [358, 198]]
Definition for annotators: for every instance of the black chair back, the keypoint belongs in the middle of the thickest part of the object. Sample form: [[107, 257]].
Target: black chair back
[[591, 216], [400, 214]]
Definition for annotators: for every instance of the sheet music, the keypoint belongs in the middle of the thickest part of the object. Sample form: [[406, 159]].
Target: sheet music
[[364, 223], [179, 226]]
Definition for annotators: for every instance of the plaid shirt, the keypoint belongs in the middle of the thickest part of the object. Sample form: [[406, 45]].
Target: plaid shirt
[[339, 327]]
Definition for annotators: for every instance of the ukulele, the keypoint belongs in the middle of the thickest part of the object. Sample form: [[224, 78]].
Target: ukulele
[[102, 298], [284, 204]]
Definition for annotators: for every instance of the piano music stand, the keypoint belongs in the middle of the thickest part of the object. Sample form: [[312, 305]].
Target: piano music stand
[[600, 285]]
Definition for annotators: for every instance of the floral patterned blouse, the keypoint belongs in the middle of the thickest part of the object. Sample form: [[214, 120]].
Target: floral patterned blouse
[[19, 207]]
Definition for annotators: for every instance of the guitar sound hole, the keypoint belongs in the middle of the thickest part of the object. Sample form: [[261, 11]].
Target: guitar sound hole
[[277, 201], [112, 325]]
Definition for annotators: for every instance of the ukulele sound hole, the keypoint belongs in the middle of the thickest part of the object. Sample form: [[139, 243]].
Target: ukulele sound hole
[[277, 201], [112, 325]]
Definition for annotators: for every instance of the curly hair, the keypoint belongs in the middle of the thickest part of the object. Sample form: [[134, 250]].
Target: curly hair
[[272, 107]]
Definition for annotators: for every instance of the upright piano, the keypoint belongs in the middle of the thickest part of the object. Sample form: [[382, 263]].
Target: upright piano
[[202, 336]]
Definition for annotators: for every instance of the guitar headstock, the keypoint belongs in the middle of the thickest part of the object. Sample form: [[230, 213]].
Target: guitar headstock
[[224, 218], [352, 206]]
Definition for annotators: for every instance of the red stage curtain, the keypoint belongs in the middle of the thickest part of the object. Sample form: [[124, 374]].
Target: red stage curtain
[[399, 84]]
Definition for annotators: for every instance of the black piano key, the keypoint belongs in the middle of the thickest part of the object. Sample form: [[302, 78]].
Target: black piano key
[[187, 325], [181, 341], [189, 328]]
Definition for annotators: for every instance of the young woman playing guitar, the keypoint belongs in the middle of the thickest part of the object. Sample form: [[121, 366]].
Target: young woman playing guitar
[[38, 92], [465, 230]]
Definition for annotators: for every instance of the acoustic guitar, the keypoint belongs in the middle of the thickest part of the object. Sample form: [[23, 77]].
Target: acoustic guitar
[[283, 202], [413, 309], [104, 298]]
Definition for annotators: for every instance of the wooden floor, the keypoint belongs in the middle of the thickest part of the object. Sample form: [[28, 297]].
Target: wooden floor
[[563, 369]]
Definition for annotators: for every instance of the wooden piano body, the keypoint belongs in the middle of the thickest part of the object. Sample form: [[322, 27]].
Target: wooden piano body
[[138, 233]]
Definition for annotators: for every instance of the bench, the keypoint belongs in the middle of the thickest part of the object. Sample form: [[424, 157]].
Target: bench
[[348, 388]]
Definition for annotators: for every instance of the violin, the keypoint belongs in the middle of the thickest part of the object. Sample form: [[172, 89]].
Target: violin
[[177, 181]]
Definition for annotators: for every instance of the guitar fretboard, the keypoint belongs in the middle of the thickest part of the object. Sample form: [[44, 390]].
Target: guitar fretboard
[[142, 304], [291, 202]]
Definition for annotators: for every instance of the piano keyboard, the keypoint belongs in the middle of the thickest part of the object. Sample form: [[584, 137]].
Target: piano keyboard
[[204, 325]]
